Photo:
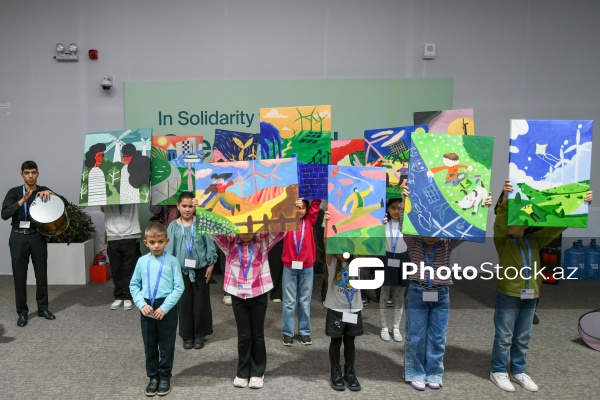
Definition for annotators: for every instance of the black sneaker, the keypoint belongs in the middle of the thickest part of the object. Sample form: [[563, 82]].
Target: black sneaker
[[199, 343], [305, 340], [536, 320], [152, 387], [188, 344], [164, 388], [288, 340]]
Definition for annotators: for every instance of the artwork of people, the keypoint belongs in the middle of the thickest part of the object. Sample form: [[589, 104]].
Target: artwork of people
[[116, 168], [549, 168], [303, 131], [356, 203], [247, 196], [458, 122], [449, 180], [349, 152], [234, 146], [390, 148], [173, 161]]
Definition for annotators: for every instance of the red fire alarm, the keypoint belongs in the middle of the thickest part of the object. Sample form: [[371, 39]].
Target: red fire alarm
[[93, 54]]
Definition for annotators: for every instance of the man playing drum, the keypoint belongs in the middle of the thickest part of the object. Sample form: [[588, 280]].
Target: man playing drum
[[26, 241]]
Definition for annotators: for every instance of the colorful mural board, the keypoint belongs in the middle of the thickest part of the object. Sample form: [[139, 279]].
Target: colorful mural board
[[304, 131], [449, 180], [173, 160], [458, 122], [390, 148], [349, 152], [247, 196], [356, 203], [234, 146], [116, 168], [549, 168]]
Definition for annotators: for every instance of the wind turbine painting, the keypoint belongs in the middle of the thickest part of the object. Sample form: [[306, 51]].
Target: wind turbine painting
[[549, 168], [116, 168]]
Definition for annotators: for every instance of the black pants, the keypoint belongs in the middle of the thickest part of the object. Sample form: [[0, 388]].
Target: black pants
[[21, 248], [250, 320], [195, 313], [123, 255], [349, 350], [159, 336], [276, 267]]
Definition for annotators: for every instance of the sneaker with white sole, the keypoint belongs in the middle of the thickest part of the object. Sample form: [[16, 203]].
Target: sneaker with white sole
[[256, 382], [501, 380], [127, 305], [385, 334], [418, 385], [116, 304], [239, 382], [525, 381], [390, 303], [397, 335], [227, 300]]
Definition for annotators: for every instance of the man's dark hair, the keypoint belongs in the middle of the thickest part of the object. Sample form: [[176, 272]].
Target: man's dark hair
[[28, 165]]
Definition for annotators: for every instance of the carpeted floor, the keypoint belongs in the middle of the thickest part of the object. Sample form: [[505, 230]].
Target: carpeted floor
[[90, 351]]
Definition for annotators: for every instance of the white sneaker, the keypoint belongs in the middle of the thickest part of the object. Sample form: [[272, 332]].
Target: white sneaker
[[227, 300], [256, 382], [127, 305], [385, 334], [525, 381], [116, 304], [239, 382], [501, 380], [397, 335]]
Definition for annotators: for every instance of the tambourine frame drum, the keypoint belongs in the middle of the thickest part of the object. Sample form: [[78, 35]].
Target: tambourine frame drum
[[49, 217], [589, 329]]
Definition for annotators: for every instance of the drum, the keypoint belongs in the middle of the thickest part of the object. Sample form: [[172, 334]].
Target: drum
[[49, 216], [589, 329]]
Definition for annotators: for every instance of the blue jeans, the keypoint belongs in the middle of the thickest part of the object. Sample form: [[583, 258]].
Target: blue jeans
[[297, 288], [513, 320], [426, 325]]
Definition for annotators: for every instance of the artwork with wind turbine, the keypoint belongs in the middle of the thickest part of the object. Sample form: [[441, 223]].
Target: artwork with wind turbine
[[173, 161], [549, 168], [116, 168], [304, 131]]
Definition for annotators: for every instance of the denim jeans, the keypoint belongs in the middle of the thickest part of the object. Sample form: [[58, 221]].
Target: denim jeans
[[513, 320], [426, 325], [297, 289]]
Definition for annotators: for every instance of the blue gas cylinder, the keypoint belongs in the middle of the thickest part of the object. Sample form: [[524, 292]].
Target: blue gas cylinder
[[592, 259], [575, 259]]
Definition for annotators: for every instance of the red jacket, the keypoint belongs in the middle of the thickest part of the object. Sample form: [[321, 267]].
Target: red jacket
[[308, 251]]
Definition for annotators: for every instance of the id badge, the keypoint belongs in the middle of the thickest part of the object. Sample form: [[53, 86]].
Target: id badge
[[430, 296], [25, 224], [151, 316], [527, 294], [297, 264], [244, 288], [350, 318], [190, 263], [394, 263]]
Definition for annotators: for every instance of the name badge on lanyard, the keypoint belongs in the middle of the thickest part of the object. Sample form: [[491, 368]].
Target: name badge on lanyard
[[350, 318], [299, 264], [430, 295], [189, 246], [245, 287], [152, 295], [25, 224], [526, 294], [393, 262]]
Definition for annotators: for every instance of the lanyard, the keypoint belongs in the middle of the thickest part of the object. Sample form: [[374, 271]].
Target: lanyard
[[121, 209], [299, 246], [151, 296], [530, 265], [25, 204], [429, 262], [349, 293], [188, 245], [394, 240], [250, 252]]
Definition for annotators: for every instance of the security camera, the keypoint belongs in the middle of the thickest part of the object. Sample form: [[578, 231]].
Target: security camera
[[107, 82]]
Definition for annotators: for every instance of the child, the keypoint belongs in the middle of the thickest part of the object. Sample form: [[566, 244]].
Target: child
[[196, 255], [396, 255], [344, 320], [156, 286], [299, 255], [247, 279], [516, 299]]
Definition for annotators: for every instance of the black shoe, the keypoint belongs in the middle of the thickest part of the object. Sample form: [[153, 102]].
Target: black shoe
[[22, 321], [188, 344], [350, 378], [305, 340], [288, 340], [46, 314], [152, 387], [199, 343], [164, 388], [536, 320], [337, 383]]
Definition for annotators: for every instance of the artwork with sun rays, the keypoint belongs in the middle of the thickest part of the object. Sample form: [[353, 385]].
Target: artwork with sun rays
[[549, 168], [173, 161], [247, 196], [458, 122]]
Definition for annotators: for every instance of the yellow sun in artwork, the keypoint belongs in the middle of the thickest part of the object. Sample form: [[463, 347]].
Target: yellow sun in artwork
[[459, 125], [162, 141]]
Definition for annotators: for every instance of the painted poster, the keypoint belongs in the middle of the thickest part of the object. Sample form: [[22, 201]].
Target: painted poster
[[303, 131], [390, 148], [356, 203], [234, 146], [116, 168], [449, 179], [458, 122], [550, 165], [247, 196], [173, 160], [348, 152]]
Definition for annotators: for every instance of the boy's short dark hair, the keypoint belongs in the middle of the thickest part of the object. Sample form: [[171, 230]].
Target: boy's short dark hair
[[28, 165], [155, 229], [451, 156]]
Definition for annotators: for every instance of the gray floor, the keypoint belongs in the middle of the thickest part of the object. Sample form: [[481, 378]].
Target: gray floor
[[90, 351]]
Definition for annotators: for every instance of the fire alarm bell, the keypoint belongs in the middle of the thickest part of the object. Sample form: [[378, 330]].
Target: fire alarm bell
[[93, 54]]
